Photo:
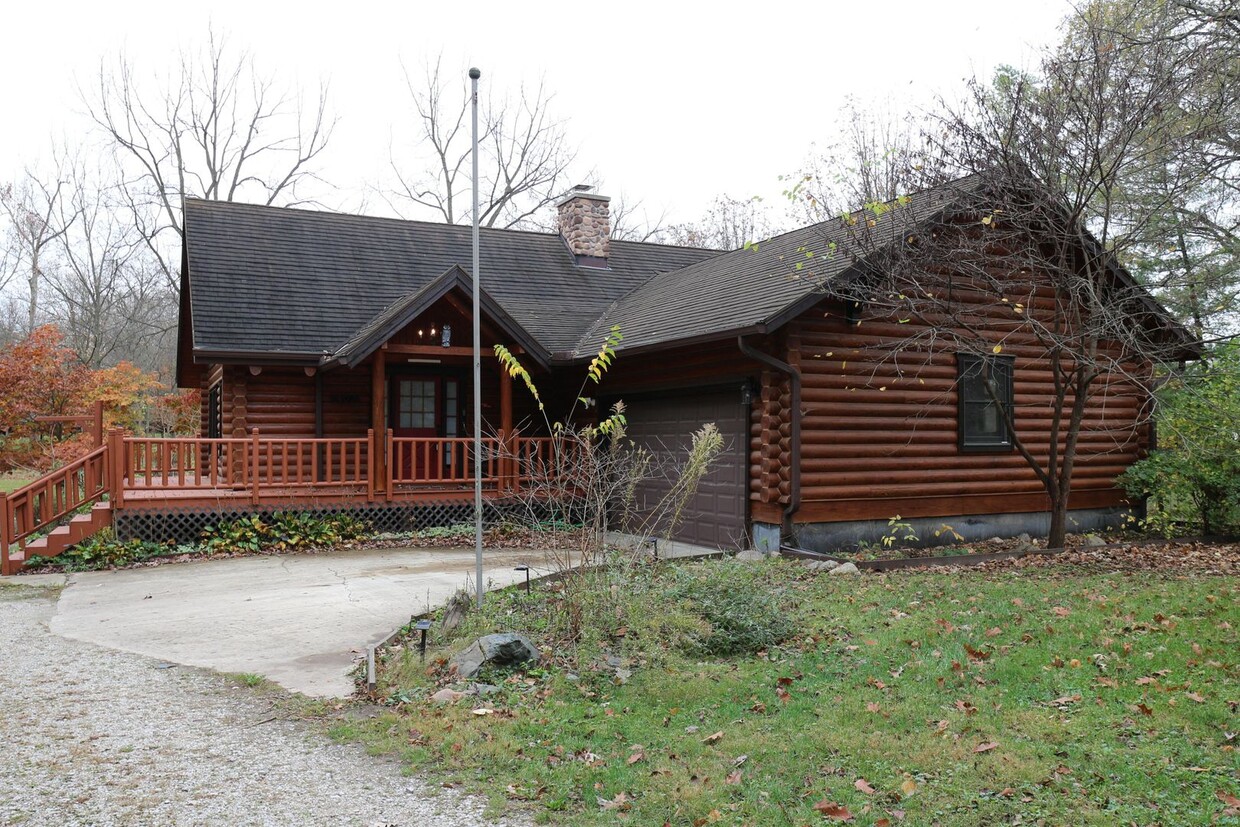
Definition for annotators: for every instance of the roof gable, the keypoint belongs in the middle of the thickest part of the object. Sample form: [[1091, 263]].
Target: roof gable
[[407, 308]]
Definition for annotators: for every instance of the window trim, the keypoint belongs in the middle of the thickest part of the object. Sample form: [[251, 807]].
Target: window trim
[[975, 444]]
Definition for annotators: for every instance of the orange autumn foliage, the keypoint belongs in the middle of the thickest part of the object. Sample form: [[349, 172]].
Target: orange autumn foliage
[[42, 376]]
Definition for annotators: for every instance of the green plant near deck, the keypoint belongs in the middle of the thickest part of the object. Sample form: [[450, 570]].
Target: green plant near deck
[[1034, 697], [102, 551], [282, 531]]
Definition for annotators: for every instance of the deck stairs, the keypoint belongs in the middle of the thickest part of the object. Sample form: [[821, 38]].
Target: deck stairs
[[79, 528]]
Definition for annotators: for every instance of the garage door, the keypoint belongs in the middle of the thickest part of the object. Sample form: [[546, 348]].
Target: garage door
[[664, 424]]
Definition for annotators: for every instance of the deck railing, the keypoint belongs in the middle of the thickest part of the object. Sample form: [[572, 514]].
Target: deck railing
[[260, 467], [442, 461], [37, 507]]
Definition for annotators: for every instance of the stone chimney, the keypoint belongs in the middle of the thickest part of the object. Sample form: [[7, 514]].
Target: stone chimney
[[585, 224]]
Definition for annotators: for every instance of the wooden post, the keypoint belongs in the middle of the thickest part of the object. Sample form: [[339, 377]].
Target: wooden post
[[115, 470], [5, 529], [371, 457], [387, 465], [505, 418], [254, 452], [378, 408], [97, 432]]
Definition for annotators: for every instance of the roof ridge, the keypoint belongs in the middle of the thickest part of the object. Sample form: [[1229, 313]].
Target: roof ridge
[[214, 203]]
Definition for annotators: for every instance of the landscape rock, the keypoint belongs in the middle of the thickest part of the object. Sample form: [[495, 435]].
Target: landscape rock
[[447, 696], [483, 689], [1025, 539], [750, 555], [1094, 541], [455, 612], [844, 568], [504, 649]]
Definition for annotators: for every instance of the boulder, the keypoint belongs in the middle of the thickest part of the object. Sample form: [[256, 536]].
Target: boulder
[[505, 649], [1094, 541], [447, 696], [751, 555], [845, 568]]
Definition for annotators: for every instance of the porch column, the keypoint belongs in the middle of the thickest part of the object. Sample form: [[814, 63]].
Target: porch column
[[508, 464], [378, 404]]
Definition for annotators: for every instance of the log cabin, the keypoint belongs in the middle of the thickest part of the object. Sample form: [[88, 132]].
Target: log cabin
[[333, 357]]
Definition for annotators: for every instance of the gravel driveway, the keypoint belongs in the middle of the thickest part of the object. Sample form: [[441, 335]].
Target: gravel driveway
[[90, 736]]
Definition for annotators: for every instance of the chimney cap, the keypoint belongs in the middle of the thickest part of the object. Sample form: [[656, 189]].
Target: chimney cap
[[581, 191]]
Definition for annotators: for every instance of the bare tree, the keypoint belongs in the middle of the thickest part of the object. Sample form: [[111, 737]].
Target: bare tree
[[630, 221], [108, 293], [525, 154], [876, 158], [1191, 255], [35, 208], [1022, 256], [728, 224], [216, 128]]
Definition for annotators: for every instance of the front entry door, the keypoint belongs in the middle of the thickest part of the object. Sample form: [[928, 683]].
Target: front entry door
[[416, 412]]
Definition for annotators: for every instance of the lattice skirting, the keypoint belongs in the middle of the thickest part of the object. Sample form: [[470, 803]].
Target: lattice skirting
[[185, 525]]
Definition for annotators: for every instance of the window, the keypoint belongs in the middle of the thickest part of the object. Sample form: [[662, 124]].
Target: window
[[984, 389], [214, 420], [417, 404]]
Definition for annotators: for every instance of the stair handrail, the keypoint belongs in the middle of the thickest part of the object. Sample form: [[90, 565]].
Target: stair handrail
[[24, 514]]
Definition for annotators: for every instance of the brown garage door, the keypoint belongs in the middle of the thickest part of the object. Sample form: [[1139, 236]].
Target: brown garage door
[[664, 424]]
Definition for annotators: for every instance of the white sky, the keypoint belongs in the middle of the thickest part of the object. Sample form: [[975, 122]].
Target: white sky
[[672, 103]]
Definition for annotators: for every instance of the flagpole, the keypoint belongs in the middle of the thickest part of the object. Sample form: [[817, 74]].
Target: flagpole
[[474, 74]]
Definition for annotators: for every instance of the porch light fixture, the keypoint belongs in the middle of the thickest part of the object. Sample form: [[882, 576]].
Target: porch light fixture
[[447, 335]]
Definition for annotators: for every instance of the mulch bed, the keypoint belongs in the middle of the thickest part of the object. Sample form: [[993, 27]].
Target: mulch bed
[[1180, 557]]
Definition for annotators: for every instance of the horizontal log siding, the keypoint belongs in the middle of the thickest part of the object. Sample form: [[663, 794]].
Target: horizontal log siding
[[879, 432], [280, 402]]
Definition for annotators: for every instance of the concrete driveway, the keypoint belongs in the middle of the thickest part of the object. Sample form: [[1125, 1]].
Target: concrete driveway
[[300, 620]]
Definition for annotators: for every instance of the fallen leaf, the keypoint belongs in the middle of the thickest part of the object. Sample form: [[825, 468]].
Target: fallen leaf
[[975, 654], [620, 802], [1227, 798], [1193, 696], [1064, 700], [872, 707], [863, 786], [484, 711], [986, 747], [639, 755], [733, 778], [713, 738], [833, 811], [1061, 611], [908, 788]]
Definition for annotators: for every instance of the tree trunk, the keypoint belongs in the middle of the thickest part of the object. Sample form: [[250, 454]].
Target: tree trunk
[[1059, 522]]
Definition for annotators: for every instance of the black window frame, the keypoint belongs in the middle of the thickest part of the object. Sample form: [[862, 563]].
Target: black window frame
[[215, 423], [1003, 369]]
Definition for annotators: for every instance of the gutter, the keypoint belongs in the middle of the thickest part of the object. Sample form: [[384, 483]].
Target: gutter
[[794, 382]]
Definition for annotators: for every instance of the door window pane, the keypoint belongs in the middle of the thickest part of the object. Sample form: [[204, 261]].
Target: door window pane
[[416, 403]]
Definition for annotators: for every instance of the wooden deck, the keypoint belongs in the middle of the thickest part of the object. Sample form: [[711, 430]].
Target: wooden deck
[[149, 474]]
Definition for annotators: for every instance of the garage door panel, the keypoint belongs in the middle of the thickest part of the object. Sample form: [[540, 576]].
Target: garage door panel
[[665, 425]]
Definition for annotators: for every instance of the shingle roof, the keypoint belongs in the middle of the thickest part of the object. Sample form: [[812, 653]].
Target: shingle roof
[[332, 287], [748, 288], [277, 280]]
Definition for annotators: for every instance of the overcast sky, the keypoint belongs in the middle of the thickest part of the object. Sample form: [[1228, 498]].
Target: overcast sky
[[672, 103]]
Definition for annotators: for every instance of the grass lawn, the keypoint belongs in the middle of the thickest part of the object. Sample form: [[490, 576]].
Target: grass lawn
[[9, 484], [1030, 696]]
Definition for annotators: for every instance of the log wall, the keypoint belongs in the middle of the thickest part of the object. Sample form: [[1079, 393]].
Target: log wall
[[879, 428]]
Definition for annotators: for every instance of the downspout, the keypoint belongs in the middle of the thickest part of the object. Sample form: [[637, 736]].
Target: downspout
[[794, 453]]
